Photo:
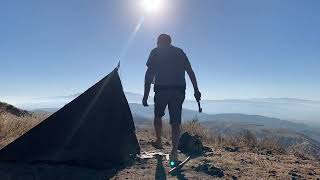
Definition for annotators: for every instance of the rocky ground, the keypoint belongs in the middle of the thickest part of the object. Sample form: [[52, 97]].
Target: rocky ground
[[221, 163]]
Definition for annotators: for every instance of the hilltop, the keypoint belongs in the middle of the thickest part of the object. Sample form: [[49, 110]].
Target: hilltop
[[225, 162], [14, 122], [12, 110], [241, 164], [249, 151]]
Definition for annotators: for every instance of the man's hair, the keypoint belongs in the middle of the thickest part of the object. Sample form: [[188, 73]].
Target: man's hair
[[164, 39]]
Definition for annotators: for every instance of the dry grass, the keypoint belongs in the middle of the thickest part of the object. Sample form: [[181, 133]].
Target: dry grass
[[12, 127], [246, 140], [271, 144], [246, 164]]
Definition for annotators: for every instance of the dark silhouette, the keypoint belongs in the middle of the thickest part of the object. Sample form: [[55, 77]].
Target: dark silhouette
[[167, 65], [160, 170], [180, 175], [95, 130]]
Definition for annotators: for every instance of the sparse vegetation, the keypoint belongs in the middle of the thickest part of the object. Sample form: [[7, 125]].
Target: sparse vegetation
[[271, 146], [246, 140], [8, 108], [265, 158], [12, 127], [257, 163], [195, 128]]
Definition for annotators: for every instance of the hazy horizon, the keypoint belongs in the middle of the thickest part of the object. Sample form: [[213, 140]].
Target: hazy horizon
[[14, 100], [295, 110]]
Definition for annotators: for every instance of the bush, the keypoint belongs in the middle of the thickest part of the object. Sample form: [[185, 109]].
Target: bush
[[248, 139], [245, 140], [194, 127], [271, 144]]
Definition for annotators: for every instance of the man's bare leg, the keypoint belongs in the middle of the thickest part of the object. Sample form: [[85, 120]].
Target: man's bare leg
[[176, 133], [158, 130]]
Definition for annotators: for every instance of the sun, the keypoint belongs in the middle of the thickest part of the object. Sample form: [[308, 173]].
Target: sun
[[151, 6]]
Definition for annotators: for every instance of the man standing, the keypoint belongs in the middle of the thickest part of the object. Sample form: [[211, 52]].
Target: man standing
[[166, 67]]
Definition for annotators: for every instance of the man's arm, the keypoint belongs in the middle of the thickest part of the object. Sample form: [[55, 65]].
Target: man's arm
[[194, 82], [149, 77], [192, 77], [147, 85]]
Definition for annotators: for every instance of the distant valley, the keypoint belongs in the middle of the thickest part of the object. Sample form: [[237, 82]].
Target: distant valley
[[234, 114], [296, 110]]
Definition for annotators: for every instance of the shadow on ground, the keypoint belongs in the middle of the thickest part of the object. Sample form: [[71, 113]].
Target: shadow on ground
[[40, 171], [161, 171]]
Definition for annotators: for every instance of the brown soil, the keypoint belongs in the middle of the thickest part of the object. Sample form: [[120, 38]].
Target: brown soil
[[234, 165]]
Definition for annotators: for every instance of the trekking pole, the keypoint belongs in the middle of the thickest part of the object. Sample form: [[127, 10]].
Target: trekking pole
[[199, 106]]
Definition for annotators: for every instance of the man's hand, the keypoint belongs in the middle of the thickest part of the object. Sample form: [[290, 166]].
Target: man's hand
[[147, 84], [197, 94], [145, 101]]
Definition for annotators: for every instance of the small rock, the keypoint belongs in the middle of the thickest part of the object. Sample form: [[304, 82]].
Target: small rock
[[243, 161], [207, 149], [294, 174], [209, 169], [208, 154], [234, 178], [312, 173], [266, 152], [273, 173], [229, 149]]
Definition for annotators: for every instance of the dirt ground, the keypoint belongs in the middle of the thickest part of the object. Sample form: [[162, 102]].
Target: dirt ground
[[220, 164], [234, 165]]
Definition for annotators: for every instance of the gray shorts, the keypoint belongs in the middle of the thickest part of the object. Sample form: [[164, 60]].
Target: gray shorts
[[174, 99]]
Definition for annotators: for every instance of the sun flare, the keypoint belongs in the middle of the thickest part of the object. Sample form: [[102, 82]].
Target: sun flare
[[151, 6]]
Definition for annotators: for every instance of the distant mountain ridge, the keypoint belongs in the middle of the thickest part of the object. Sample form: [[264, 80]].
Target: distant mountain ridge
[[262, 122], [293, 109], [297, 110], [237, 120], [10, 109], [241, 121]]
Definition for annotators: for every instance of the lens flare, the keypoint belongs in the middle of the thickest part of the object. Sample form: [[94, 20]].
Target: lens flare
[[151, 6], [172, 163]]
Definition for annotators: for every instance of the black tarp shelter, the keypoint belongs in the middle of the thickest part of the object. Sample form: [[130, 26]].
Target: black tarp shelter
[[96, 130]]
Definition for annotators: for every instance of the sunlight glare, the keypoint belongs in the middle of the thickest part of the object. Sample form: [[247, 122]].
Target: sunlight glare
[[151, 6]]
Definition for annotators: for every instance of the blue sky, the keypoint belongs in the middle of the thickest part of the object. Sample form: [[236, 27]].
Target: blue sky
[[239, 49]]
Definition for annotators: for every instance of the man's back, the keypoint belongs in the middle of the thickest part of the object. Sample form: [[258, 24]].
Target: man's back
[[169, 64]]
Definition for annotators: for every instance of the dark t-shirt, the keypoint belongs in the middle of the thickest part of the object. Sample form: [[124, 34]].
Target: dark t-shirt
[[169, 64]]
